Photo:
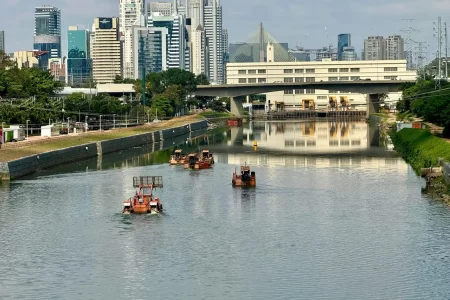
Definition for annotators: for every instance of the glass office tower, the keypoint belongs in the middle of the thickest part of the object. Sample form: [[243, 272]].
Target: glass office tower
[[344, 40], [47, 33], [79, 63]]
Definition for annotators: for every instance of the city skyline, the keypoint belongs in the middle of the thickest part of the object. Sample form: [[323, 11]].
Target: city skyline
[[278, 19]]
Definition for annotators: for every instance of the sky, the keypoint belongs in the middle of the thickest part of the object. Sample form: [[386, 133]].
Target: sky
[[310, 24]]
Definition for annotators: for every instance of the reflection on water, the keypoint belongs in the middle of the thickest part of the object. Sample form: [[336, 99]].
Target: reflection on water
[[308, 136]]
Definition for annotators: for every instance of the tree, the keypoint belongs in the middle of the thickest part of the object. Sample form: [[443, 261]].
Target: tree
[[201, 79], [163, 106]]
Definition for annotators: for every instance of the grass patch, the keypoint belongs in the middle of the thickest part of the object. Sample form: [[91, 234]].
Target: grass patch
[[420, 148], [27, 148]]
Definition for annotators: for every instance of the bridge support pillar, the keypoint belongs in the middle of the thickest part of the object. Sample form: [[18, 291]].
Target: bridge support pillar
[[236, 106], [373, 104]]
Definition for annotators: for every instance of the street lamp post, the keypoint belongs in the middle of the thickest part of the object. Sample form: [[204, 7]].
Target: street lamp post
[[68, 125], [86, 123], [114, 120], [27, 128], [126, 120], [100, 122]]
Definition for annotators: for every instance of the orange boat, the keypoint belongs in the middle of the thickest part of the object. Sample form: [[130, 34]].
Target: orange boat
[[195, 161], [144, 202], [246, 178], [177, 158]]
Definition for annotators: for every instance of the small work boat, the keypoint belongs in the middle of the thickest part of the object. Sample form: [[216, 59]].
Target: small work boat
[[246, 178], [177, 158], [144, 202], [195, 161]]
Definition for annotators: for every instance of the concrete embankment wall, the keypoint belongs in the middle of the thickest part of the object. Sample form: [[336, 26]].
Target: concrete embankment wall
[[31, 164]]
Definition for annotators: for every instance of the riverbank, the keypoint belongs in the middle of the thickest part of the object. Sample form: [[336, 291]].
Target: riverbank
[[13, 151], [421, 149], [30, 157]]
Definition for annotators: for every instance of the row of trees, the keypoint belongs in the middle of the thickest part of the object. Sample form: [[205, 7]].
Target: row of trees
[[26, 94], [422, 99]]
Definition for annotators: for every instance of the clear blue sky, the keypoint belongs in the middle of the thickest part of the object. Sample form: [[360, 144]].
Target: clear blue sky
[[296, 22]]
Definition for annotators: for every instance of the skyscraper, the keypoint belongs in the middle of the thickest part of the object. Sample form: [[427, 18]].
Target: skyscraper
[[79, 63], [164, 8], [149, 50], [106, 50], [177, 49], [2, 40], [47, 33], [214, 44], [344, 40], [131, 12], [348, 53]]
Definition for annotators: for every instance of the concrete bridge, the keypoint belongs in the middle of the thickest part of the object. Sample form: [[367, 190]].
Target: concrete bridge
[[237, 91]]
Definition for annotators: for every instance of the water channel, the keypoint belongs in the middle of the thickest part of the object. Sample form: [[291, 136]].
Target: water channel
[[335, 215]]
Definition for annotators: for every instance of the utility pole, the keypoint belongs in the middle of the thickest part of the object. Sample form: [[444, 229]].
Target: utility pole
[[446, 48], [438, 34], [409, 42], [420, 56], [143, 86]]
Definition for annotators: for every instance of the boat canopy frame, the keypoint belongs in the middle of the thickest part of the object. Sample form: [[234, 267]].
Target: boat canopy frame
[[154, 181]]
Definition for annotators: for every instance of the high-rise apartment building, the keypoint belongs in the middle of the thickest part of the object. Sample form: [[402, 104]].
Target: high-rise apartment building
[[47, 33], [106, 50], [214, 44], [379, 48], [2, 41], [344, 40], [197, 44], [79, 63], [131, 12], [374, 48], [395, 47]]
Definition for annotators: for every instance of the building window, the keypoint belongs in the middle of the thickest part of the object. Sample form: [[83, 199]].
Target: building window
[[310, 91], [251, 71], [299, 91], [287, 71], [310, 71], [354, 70], [298, 71], [288, 92], [299, 79], [355, 78], [321, 97], [343, 78], [242, 72], [332, 79], [288, 80], [242, 80], [343, 70], [390, 77], [261, 71], [261, 80], [391, 69], [252, 80], [310, 79], [332, 70]]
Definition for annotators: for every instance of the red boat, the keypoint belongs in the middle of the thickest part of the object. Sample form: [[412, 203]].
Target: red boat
[[235, 122], [144, 202], [246, 178], [195, 161]]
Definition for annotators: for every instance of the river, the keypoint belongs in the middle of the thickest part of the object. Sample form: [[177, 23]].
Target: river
[[335, 215]]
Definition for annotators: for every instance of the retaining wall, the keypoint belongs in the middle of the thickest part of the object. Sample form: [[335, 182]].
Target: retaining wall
[[446, 169], [31, 164]]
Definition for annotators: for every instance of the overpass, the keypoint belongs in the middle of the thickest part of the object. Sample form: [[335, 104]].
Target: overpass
[[236, 91]]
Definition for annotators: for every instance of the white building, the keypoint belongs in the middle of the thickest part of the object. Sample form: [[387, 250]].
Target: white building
[[378, 48], [395, 47], [106, 50], [130, 14], [214, 44], [326, 70], [197, 43], [164, 8]]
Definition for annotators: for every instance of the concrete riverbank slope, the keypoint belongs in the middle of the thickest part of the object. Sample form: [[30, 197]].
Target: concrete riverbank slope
[[24, 166]]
